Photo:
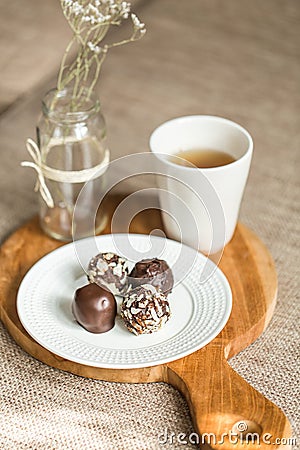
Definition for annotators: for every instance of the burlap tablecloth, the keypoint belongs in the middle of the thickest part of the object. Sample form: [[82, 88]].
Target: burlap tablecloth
[[237, 59]]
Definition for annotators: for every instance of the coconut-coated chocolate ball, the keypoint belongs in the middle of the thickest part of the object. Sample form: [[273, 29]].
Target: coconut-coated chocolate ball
[[109, 270], [145, 310]]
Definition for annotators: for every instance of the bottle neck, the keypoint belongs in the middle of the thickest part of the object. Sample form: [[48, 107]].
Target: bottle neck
[[62, 107]]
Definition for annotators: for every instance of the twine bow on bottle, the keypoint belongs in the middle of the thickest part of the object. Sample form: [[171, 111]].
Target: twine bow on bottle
[[61, 176], [37, 165]]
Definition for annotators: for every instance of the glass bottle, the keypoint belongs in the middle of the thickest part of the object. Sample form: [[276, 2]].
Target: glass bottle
[[72, 139]]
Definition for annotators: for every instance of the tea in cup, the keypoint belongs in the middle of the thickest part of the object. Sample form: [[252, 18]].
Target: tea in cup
[[203, 164]]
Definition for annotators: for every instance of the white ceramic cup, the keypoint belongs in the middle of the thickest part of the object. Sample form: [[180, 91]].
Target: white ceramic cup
[[200, 207]]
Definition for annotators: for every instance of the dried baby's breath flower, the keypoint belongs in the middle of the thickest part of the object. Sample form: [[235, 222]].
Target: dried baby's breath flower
[[90, 21], [137, 23]]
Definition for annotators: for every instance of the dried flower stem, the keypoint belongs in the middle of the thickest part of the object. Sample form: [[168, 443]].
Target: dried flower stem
[[90, 21]]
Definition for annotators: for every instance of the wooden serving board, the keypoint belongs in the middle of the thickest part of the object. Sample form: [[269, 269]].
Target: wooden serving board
[[217, 396]]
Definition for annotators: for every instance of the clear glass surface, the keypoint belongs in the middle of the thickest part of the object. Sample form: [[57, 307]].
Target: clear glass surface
[[71, 137]]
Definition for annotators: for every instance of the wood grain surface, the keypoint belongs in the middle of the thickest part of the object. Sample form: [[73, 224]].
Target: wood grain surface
[[217, 396]]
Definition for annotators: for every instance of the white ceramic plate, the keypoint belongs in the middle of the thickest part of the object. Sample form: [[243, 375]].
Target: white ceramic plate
[[199, 309]]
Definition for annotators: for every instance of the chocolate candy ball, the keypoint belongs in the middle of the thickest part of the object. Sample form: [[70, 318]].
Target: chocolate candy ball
[[95, 308], [109, 270], [145, 310], [152, 271]]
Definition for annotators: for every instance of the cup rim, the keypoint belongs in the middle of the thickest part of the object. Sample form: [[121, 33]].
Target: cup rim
[[202, 116]]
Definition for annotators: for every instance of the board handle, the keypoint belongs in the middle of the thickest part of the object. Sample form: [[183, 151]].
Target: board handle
[[227, 412]]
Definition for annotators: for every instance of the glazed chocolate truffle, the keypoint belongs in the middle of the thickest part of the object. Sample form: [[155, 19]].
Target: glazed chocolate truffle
[[152, 271], [94, 308], [145, 310], [109, 270]]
